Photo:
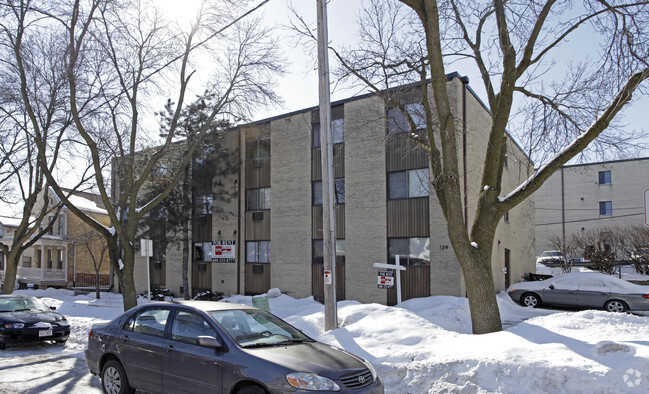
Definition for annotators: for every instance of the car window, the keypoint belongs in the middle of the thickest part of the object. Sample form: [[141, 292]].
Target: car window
[[253, 327], [565, 284], [188, 326], [149, 321], [22, 303], [592, 284]]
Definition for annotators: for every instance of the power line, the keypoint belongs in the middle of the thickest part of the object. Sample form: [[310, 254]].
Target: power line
[[589, 220]]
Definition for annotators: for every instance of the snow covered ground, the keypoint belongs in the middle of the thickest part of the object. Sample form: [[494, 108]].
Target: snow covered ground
[[422, 346]]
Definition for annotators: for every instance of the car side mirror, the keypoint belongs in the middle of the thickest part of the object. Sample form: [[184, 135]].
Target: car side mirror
[[53, 308], [208, 341], [551, 287]]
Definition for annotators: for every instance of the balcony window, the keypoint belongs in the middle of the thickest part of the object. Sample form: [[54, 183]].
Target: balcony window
[[258, 252], [337, 132], [258, 199], [339, 191], [408, 184]]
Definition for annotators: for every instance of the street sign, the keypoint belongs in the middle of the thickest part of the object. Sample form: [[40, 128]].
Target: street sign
[[385, 279]]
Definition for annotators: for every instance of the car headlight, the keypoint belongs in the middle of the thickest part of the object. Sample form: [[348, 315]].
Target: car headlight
[[14, 325], [311, 381]]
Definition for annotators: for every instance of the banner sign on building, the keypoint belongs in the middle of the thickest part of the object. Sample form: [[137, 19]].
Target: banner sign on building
[[219, 251], [386, 279]]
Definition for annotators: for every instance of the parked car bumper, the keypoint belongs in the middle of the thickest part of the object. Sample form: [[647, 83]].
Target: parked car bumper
[[31, 335]]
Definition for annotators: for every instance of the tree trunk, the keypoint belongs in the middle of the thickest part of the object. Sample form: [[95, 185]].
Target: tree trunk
[[481, 292], [11, 271], [97, 292]]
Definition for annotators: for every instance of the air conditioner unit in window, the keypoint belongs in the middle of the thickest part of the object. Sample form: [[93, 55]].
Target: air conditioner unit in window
[[256, 216]]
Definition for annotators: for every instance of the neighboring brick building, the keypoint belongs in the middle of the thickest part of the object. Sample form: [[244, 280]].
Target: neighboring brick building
[[584, 197], [383, 207]]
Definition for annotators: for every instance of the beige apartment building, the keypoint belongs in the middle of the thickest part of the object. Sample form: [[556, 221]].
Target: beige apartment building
[[271, 235], [584, 197]]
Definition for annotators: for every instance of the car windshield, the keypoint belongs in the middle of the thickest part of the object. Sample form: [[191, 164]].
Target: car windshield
[[14, 304], [257, 328], [551, 254]]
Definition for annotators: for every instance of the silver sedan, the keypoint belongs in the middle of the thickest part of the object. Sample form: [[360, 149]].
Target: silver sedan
[[584, 290]]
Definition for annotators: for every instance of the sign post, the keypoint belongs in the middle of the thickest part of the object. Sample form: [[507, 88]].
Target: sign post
[[398, 268], [646, 213], [146, 249]]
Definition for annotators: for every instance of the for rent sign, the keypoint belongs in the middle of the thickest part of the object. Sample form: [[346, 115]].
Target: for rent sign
[[220, 251]]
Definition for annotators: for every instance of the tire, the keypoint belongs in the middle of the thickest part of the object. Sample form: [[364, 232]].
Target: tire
[[530, 300], [113, 378], [616, 306], [251, 389]]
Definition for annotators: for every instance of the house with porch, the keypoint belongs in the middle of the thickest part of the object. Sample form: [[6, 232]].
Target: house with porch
[[67, 255]]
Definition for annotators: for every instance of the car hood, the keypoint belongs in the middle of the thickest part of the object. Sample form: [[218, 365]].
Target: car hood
[[31, 317], [313, 357]]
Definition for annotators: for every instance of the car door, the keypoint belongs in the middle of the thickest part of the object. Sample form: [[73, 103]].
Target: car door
[[562, 291], [593, 293], [188, 367], [141, 347]]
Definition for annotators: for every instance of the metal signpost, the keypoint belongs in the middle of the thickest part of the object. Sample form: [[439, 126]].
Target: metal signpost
[[146, 249], [386, 282]]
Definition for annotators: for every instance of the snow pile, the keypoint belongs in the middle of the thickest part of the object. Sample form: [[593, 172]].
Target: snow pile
[[422, 346]]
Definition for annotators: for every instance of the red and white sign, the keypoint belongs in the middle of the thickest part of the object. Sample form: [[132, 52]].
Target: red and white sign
[[385, 280], [327, 277], [220, 251]]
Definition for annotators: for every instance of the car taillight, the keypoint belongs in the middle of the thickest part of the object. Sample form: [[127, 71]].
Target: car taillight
[[645, 296], [89, 334]]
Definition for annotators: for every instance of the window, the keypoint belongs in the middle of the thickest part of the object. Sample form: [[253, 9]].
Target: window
[[258, 149], [258, 252], [318, 252], [149, 321], [411, 251], [27, 262], [61, 229], [51, 220], [339, 191], [408, 184], [398, 122], [203, 204], [187, 327], [337, 132], [605, 208], [258, 199], [605, 177]]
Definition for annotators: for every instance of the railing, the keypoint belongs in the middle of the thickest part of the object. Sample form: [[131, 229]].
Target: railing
[[35, 273], [89, 280]]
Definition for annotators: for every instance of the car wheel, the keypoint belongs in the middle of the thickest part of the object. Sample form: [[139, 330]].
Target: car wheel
[[251, 389], [113, 378], [530, 300], [615, 306]]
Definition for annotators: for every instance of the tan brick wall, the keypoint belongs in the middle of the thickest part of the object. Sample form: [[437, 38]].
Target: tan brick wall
[[291, 204], [365, 197]]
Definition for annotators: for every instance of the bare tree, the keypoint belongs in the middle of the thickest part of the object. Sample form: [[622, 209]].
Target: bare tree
[[513, 46], [32, 101], [118, 57]]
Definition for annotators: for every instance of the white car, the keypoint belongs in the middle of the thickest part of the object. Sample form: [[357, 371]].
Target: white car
[[550, 257]]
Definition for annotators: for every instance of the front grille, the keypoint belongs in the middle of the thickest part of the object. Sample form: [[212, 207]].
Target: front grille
[[358, 379]]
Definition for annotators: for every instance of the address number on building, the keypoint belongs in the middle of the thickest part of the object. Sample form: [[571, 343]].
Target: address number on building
[[385, 280]]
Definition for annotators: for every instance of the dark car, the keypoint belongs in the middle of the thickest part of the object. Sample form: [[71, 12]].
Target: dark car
[[25, 319], [218, 347], [582, 290]]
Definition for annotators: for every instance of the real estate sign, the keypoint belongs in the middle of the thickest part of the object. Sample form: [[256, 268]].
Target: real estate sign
[[219, 251]]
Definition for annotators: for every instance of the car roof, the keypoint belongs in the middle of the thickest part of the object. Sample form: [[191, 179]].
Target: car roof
[[207, 306], [15, 296]]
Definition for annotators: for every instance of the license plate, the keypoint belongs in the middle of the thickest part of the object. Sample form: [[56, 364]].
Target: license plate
[[45, 333]]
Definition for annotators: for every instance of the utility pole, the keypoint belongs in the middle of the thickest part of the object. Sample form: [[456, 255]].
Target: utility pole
[[326, 143]]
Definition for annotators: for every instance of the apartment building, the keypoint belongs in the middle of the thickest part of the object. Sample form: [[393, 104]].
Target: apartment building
[[584, 197], [270, 236]]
